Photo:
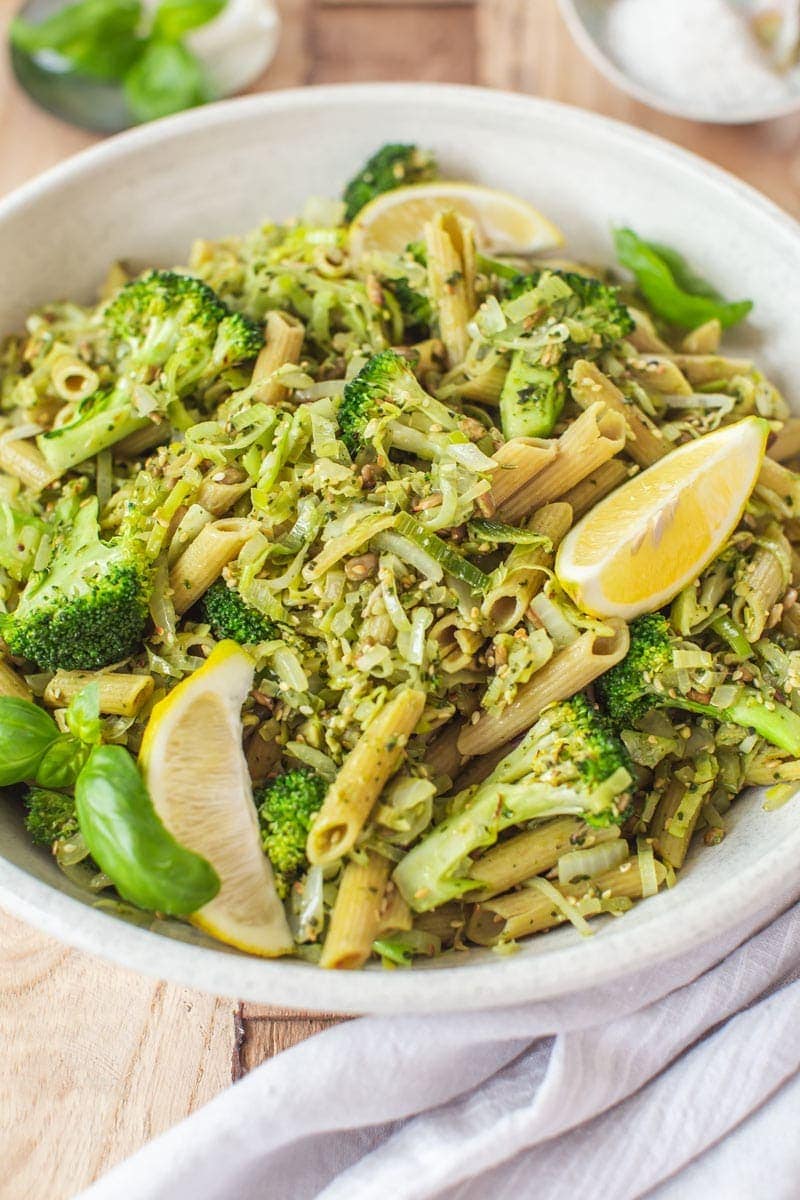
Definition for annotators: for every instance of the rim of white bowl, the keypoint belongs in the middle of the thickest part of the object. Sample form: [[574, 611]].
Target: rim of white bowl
[[488, 983], [606, 65]]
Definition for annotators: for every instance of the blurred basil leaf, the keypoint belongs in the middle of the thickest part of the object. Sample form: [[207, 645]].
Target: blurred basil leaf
[[166, 79], [99, 38], [174, 18], [83, 715]]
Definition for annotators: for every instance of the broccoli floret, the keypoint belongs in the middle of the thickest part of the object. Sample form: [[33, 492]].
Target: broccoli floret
[[50, 816], [286, 807], [387, 393], [88, 606], [647, 678], [536, 384], [590, 302], [571, 763], [392, 166], [415, 306], [232, 617], [172, 336]]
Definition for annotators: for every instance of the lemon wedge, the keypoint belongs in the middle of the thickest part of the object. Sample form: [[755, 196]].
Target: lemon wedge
[[504, 223], [636, 549], [197, 776]]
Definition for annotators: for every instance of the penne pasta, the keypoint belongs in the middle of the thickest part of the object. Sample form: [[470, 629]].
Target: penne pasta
[[356, 919], [284, 335], [761, 583], [644, 336], [706, 368], [518, 462], [527, 911], [361, 779], [566, 673], [395, 915], [450, 244], [644, 443], [704, 339], [525, 570], [446, 922], [220, 490], [786, 442], [594, 487], [532, 853], [591, 440], [73, 380], [12, 683], [779, 487], [202, 562], [22, 459], [120, 695]]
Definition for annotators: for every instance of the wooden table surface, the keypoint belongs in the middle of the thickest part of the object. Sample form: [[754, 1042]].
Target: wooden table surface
[[97, 1060]]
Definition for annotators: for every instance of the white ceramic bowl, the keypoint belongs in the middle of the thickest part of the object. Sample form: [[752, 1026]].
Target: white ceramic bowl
[[144, 196], [588, 22]]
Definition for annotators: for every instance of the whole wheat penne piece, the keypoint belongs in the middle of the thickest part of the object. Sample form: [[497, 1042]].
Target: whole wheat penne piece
[[704, 339], [356, 917], [780, 487], [375, 757], [527, 911], [525, 570], [705, 368], [567, 672], [12, 683], [450, 244], [532, 853], [588, 442], [594, 487], [518, 461], [202, 562], [22, 459], [645, 444], [221, 488], [120, 695], [786, 442], [283, 343]]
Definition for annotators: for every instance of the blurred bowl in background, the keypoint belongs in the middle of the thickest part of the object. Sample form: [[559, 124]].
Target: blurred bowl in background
[[595, 30], [234, 48]]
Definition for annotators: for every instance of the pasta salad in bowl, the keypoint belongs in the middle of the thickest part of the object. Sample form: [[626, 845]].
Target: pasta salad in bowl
[[391, 583]]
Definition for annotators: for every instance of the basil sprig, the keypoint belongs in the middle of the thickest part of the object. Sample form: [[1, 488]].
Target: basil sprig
[[114, 41], [122, 830], [673, 291]]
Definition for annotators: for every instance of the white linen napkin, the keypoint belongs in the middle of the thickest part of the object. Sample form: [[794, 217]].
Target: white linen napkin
[[675, 1084]]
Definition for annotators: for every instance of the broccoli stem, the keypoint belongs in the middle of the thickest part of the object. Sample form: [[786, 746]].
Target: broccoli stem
[[434, 871], [726, 628], [72, 444], [774, 722], [532, 398]]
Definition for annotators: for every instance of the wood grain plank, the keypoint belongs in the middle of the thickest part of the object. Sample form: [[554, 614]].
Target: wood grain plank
[[96, 1062], [393, 41]]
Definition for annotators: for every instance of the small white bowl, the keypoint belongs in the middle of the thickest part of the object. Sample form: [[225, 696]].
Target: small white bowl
[[587, 21], [144, 196]]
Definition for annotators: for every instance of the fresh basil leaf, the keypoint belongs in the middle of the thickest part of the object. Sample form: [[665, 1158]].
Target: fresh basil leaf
[[97, 38], [128, 840], [62, 763], [166, 79], [174, 18], [26, 734], [83, 715], [664, 285]]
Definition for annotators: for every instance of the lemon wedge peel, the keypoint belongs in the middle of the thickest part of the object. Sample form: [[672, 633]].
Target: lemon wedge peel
[[635, 550], [197, 776], [504, 223]]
